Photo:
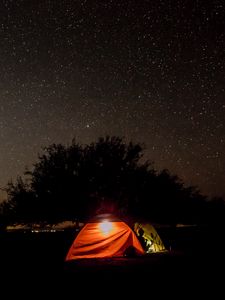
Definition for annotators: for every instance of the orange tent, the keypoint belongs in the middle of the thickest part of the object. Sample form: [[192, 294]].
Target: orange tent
[[102, 237]]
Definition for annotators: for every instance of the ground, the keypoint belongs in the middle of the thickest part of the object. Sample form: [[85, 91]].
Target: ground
[[194, 262]]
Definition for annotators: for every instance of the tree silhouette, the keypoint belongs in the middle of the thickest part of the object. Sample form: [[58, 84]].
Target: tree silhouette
[[75, 182]]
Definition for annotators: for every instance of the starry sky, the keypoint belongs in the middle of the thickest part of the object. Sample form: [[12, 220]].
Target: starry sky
[[151, 71]]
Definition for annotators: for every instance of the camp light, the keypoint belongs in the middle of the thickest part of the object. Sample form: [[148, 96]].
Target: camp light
[[105, 227]]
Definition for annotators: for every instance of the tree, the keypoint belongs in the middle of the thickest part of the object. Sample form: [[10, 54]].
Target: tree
[[75, 182], [78, 181], [20, 205]]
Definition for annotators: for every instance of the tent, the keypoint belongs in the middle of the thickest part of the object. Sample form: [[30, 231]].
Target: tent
[[104, 236], [149, 237]]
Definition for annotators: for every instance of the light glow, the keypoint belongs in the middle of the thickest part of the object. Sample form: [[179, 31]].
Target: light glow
[[106, 227]]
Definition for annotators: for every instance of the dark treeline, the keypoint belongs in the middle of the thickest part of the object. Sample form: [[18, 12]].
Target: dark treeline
[[76, 182]]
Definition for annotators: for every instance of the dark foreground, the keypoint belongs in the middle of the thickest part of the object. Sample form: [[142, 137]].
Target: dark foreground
[[32, 265]]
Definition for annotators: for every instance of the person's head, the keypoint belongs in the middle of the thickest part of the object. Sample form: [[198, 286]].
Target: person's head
[[140, 232]]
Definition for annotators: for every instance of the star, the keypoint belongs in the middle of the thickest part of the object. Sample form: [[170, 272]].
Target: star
[[151, 73]]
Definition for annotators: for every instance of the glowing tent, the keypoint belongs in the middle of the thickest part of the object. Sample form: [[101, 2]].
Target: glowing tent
[[151, 239], [102, 237]]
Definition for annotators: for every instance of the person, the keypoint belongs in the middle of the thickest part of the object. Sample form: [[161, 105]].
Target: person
[[141, 238]]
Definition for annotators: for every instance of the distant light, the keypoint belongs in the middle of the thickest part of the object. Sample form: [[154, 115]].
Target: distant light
[[106, 227]]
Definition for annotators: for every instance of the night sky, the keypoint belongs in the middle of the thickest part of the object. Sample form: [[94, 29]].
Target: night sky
[[151, 71]]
